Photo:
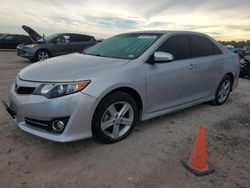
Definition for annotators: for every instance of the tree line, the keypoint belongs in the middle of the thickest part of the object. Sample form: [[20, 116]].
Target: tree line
[[239, 44]]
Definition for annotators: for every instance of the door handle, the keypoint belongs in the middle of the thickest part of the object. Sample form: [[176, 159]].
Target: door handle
[[191, 67], [222, 61]]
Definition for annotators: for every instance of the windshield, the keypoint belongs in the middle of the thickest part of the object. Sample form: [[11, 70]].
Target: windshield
[[124, 46], [50, 38]]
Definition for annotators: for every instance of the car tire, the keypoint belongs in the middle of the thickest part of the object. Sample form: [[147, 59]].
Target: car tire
[[114, 118], [42, 55], [223, 91]]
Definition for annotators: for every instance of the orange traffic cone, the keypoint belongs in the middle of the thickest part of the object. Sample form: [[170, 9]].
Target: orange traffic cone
[[198, 163]]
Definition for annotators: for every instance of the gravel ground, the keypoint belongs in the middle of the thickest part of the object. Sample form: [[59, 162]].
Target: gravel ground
[[149, 157]]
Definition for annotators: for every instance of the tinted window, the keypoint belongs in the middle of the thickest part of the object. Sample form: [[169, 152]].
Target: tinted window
[[178, 46], [21, 38], [9, 37], [217, 51], [80, 38], [201, 46], [84, 38]]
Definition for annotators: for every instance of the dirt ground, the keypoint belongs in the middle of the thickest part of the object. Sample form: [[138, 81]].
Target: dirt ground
[[149, 157]]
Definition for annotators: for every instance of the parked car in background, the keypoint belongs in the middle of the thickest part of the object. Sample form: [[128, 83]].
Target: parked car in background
[[106, 90], [53, 45], [11, 41], [245, 66]]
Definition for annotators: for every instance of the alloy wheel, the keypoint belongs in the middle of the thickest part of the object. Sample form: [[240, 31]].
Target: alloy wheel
[[117, 119], [43, 55], [224, 91]]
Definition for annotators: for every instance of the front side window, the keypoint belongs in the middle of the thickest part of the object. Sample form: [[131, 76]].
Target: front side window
[[178, 46], [63, 39], [124, 46]]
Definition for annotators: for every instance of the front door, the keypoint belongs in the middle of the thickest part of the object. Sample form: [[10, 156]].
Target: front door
[[61, 45], [170, 84]]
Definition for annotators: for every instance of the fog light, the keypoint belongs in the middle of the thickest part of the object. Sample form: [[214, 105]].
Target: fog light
[[58, 125]]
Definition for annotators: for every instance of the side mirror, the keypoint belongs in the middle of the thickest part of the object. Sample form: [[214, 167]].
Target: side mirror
[[163, 57]]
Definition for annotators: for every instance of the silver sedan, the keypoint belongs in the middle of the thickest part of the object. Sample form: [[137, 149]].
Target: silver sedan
[[104, 91]]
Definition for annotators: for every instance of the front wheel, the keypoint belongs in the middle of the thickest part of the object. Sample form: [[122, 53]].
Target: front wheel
[[115, 118], [223, 91], [42, 55]]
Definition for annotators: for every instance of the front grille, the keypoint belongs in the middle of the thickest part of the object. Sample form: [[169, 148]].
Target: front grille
[[25, 90]]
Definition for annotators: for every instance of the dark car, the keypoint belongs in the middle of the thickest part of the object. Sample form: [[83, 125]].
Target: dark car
[[53, 45], [11, 41], [244, 66]]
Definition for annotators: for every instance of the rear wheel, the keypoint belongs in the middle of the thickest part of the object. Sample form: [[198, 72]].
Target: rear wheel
[[223, 91], [42, 55], [115, 118]]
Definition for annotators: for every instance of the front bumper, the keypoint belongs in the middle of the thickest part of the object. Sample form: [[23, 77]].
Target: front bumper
[[26, 52], [79, 107]]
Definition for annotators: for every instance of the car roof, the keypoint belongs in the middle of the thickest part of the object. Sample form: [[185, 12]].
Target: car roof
[[168, 32], [14, 35], [73, 34]]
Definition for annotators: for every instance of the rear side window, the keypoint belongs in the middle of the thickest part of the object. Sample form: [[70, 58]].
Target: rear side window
[[178, 46], [217, 51], [201, 46], [80, 38]]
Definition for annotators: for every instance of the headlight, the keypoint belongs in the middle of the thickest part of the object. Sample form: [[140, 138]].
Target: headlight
[[32, 45], [53, 90]]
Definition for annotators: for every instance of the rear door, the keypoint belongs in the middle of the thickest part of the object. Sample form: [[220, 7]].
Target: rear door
[[170, 84], [208, 65], [79, 42]]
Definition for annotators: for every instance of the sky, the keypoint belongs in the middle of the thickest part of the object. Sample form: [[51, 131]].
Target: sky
[[221, 19]]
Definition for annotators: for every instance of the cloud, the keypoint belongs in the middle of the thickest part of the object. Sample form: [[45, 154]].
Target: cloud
[[109, 21], [222, 19]]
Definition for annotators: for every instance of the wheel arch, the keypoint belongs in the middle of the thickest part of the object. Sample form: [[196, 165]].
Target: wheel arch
[[232, 77], [43, 49], [130, 91]]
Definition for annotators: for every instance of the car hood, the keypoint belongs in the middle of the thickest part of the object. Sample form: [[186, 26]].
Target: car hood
[[70, 67], [32, 33]]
